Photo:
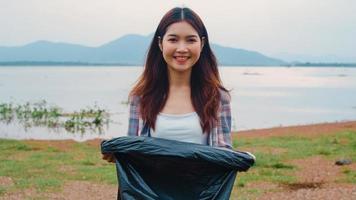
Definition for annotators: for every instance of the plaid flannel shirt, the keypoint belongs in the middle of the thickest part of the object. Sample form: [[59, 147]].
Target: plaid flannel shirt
[[219, 136]]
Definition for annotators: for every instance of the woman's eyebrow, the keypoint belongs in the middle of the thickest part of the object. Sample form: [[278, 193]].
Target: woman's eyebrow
[[192, 36], [189, 36]]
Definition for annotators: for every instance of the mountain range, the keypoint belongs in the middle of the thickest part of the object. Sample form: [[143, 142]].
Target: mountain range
[[127, 50]]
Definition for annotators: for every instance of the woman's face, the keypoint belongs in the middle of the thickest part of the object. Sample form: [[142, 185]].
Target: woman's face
[[181, 46]]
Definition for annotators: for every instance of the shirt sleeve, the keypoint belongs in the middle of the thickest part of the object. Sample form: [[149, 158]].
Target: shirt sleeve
[[133, 127], [224, 128]]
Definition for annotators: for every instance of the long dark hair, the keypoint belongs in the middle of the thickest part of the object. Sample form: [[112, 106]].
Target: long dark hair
[[153, 85]]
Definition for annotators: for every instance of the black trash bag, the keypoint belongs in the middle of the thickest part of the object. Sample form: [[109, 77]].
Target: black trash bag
[[154, 168]]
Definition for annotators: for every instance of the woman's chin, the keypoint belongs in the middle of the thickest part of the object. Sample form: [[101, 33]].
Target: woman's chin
[[182, 68]]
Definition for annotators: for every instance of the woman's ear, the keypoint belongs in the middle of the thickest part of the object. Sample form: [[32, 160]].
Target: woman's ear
[[202, 42], [160, 42]]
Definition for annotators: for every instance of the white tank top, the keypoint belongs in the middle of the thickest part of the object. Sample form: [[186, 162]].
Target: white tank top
[[180, 127]]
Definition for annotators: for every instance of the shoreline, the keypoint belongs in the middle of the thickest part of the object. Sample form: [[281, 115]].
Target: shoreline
[[308, 130]]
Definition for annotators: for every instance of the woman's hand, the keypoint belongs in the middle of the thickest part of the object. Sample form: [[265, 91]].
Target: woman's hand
[[109, 157]]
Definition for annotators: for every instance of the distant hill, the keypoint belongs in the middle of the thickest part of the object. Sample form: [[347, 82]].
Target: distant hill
[[127, 50]]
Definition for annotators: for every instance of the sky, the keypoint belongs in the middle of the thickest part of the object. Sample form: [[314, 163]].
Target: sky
[[323, 30]]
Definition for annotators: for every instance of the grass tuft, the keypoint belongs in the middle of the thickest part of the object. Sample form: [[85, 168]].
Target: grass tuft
[[2, 190], [282, 166]]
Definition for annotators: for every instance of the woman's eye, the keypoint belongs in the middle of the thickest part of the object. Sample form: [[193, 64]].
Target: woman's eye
[[172, 40], [192, 40], [176, 40]]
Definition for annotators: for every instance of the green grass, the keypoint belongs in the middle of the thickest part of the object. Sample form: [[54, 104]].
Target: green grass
[[275, 168], [46, 168]]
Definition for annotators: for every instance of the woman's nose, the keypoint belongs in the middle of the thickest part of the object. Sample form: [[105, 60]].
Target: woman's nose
[[182, 47]]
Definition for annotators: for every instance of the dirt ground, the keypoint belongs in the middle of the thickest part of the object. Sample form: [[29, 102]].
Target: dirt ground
[[312, 130], [316, 177], [75, 190], [316, 181]]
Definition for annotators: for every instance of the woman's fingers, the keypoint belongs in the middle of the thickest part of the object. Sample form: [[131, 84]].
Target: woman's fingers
[[108, 157], [112, 158], [105, 156]]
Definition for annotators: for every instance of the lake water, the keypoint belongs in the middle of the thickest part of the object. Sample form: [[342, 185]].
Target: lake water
[[261, 96]]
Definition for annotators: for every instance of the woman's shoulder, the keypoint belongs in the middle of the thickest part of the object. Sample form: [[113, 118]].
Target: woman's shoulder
[[225, 97]]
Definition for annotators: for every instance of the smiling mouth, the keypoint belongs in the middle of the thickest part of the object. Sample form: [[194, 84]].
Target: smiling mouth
[[181, 59]]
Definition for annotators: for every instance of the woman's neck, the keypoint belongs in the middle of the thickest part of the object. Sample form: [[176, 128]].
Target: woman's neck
[[179, 79]]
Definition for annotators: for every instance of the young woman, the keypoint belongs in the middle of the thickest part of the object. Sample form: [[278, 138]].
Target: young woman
[[180, 96]]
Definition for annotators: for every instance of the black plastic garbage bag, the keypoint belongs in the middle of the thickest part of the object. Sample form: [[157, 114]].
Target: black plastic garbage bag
[[153, 168]]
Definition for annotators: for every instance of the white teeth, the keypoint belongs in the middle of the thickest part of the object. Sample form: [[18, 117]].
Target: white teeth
[[181, 58]]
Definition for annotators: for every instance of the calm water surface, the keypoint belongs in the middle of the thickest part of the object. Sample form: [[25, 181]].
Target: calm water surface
[[261, 96]]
